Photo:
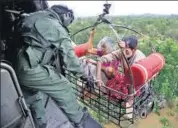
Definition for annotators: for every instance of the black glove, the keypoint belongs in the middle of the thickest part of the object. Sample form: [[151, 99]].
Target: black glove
[[84, 78], [89, 82]]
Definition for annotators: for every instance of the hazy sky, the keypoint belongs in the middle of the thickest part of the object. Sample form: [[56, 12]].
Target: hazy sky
[[93, 8]]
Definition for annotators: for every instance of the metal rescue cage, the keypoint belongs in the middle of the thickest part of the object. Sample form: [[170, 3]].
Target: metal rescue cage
[[112, 109]]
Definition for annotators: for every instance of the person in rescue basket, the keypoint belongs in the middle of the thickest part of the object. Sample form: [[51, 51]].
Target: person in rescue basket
[[46, 50], [105, 46]]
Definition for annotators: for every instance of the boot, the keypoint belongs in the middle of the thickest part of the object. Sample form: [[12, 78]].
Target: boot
[[87, 121]]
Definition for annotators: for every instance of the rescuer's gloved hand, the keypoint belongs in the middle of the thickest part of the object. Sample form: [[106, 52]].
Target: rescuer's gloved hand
[[84, 78], [89, 83]]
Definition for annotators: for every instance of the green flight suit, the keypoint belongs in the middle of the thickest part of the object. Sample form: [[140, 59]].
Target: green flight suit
[[35, 29]]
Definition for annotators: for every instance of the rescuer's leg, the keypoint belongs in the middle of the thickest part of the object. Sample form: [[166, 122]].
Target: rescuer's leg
[[36, 103], [46, 80]]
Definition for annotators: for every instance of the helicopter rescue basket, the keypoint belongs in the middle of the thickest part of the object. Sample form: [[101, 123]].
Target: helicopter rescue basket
[[119, 110]]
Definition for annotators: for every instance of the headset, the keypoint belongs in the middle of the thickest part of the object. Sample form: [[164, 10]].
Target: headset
[[66, 14], [67, 18]]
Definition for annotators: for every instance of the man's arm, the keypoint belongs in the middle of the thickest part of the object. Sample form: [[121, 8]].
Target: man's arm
[[93, 51], [115, 55], [71, 61], [83, 49]]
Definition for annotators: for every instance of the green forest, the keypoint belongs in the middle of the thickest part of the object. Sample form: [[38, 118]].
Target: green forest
[[161, 30]]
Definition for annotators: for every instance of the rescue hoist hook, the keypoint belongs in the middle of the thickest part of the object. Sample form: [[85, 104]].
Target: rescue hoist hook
[[107, 6]]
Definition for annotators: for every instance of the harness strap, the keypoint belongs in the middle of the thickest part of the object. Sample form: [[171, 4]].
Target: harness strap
[[49, 53], [51, 56], [32, 57], [57, 64]]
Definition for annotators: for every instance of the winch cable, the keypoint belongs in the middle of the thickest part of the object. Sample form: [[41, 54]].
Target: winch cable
[[149, 42], [92, 26]]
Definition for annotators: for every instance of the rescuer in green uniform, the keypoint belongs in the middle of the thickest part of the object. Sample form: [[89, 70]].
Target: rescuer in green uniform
[[46, 50]]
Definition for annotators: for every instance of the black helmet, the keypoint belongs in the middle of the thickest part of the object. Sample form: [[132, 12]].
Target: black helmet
[[65, 13], [131, 41]]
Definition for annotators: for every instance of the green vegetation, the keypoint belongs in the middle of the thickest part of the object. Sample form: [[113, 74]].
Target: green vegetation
[[165, 122], [177, 107]]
